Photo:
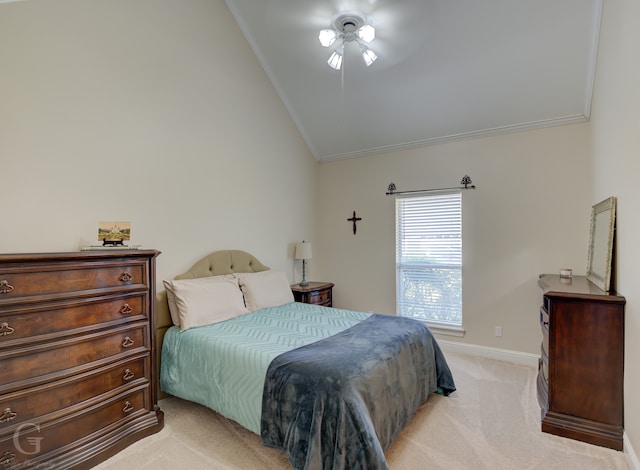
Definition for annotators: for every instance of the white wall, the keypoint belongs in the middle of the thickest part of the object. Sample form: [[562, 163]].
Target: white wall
[[530, 214], [154, 112], [616, 156]]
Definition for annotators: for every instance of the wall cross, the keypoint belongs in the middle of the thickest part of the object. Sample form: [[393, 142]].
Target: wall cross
[[354, 219]]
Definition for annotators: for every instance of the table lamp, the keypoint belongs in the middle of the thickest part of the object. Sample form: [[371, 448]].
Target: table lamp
[[303, 252]]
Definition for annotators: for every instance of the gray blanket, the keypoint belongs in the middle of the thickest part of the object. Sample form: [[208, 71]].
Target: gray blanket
[[340, 402]]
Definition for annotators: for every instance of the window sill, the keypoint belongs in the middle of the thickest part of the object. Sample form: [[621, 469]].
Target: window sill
[[448, 330]]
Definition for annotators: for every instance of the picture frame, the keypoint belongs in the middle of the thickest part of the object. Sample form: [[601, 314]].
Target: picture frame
[[114, 233], [601, 241]]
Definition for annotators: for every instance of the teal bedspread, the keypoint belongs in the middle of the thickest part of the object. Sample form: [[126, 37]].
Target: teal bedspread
[[223, 366]]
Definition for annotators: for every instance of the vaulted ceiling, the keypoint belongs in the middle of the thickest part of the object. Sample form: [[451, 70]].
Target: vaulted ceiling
[[446, 69]]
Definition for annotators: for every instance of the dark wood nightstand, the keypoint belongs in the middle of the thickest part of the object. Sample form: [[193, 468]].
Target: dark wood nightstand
[[317, 293]]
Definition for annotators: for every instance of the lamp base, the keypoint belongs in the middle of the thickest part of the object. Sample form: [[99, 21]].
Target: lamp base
[[304, 282]]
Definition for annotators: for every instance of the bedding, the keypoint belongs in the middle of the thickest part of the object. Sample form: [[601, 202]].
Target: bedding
[[332, 388], [265, 289], [223, 366], [190, 300], [302, 375], [341, 401]]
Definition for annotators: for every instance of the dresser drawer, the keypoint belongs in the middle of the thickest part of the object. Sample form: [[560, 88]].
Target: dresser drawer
[[544, 364], [31, 442], [319, 297], [33, 404], [544, 318], [317, 293], [32, 283], [42, 321], [542, 386], [27, 366]]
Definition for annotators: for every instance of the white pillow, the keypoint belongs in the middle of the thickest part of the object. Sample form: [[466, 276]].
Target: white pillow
[[204, 301], [171, 300], [265, 289]]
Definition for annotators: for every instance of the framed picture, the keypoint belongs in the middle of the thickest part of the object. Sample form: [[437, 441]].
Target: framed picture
[[601, 239], [114, 233]]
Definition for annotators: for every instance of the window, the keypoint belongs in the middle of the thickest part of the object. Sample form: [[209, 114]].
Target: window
[[429, 258]]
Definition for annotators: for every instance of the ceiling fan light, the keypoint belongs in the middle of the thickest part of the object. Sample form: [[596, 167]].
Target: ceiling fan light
[[335, 61], [369, 57], [327, 37], [367, 33]]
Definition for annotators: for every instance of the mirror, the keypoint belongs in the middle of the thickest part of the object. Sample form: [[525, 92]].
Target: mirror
[[603, 221]]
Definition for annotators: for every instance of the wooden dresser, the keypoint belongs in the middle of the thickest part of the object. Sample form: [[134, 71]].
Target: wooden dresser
[[318, 293], [581, 369], [77, 363]]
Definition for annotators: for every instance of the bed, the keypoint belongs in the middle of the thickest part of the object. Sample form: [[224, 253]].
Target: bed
[[331, 388]]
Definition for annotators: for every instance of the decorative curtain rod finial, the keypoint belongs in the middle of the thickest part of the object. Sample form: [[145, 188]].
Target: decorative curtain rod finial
[[391, 189], [467, 181]]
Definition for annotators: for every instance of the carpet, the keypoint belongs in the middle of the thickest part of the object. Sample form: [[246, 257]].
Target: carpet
[[491, 422]]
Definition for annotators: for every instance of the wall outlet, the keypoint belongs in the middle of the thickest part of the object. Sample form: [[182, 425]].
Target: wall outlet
[[498, 331]]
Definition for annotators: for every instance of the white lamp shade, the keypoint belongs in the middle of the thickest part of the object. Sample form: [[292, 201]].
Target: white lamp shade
[[369, 57], [335, 61], [303, 250], [327, 37], [367, 33]]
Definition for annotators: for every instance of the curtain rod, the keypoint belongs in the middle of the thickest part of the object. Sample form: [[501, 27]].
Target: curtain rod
[[466, 181]]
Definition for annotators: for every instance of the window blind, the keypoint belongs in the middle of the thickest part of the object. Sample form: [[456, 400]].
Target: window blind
[[429, 257]]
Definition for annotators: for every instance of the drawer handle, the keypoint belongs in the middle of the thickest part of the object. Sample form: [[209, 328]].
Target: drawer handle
[[128, 375], [5, 287], [128, 342], [5, 329], [125, 277], [7, 458], [7, 415], [128, 407], [126, 308]]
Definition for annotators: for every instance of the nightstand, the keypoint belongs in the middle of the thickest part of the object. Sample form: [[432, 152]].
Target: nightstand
[[317, 293]]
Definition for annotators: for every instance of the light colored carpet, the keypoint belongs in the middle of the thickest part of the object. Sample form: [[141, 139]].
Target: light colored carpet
[[491, 422]]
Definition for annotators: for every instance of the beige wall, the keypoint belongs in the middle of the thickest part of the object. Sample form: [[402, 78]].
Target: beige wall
[[616, 159], [158, 112], [529, 215], [154, 112]]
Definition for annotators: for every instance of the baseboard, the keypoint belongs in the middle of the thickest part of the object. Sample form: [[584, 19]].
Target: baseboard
[[629, 453], [507, 355], [527, 359]]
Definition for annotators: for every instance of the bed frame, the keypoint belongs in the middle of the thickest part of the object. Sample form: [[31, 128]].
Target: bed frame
[[214, 264]]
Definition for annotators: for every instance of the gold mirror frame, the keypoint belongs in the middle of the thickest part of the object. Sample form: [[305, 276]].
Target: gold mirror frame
[[601, 237]]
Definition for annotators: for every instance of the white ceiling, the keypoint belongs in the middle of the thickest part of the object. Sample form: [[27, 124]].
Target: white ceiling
[[446, 69]]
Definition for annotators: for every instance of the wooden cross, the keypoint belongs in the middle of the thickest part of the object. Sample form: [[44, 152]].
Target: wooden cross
[[354, 219]]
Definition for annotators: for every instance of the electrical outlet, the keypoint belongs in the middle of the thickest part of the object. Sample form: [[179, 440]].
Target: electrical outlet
[[498, 331]]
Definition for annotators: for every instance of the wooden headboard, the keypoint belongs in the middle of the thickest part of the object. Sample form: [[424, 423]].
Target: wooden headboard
[[214, 264]]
